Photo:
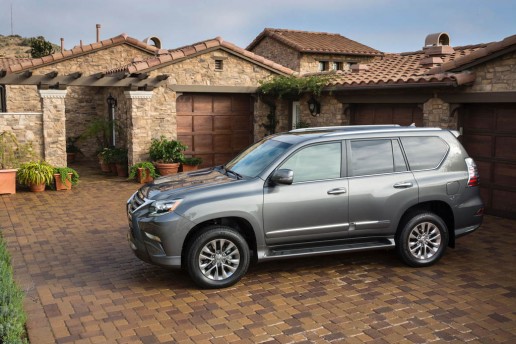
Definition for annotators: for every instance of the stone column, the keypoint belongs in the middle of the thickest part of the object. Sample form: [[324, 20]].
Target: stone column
[[54, 130], [139, 129], [436, 113]]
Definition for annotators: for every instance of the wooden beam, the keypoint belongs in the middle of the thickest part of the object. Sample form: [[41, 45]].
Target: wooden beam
[[52, 74]]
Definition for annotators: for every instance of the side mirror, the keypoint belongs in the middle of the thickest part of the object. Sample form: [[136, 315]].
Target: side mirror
[[283, 176]]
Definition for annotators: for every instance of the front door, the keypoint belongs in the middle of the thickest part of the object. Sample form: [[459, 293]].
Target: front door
[[315, 206]]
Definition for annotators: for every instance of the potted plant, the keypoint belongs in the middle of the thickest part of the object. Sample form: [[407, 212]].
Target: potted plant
[[104, 157], [167, 155], [12, 153], [191, 164], [35, 174], [144, 172], [65, 177], [119, 157], [71, 148]]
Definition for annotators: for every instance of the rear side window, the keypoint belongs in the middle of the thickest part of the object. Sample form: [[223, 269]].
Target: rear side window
[[424, 153], [375, 157]]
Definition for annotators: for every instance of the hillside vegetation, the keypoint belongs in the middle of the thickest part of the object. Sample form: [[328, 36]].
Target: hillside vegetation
[[17, 46]]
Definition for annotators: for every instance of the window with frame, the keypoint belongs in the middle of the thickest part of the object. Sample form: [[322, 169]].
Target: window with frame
[[317, 162], [323, 66], [424, 153], [3, 99], [219, 65], [336, 65], [380, 156]]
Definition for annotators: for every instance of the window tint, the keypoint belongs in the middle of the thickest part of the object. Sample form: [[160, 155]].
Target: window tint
[[424, 153], [317, 162], [375, 157]]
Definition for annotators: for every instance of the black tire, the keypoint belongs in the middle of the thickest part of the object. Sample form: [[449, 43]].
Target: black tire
[[225, 260], [422, 239]]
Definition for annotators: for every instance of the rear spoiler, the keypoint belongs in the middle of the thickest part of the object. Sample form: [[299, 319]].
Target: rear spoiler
[[455, 133]]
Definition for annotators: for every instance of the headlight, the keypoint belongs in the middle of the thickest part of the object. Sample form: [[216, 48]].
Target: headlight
[[159, 208]]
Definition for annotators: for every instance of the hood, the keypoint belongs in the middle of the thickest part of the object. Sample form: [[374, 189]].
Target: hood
[[181, 182]]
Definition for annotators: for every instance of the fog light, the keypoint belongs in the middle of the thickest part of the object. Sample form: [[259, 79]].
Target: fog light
[[153, 237]]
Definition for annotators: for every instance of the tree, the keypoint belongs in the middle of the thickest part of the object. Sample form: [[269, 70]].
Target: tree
[[40, 47]]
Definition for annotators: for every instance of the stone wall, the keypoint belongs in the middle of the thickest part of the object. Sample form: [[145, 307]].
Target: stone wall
[[27, 127], [436, 113], [498, 75], [22, 98], [309, 63], [278, 52]]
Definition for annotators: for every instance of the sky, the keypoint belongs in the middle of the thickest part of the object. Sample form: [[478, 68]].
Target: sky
[[386, 25]]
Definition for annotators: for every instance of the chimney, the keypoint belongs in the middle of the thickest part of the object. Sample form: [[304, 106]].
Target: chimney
[[98, 33], [437, 45], [62, 44]]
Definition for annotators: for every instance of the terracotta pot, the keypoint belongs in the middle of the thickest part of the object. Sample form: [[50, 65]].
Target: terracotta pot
[[104, 167], [62, 185], [188, 168], [121, 170], [165, 169], [37, 187], [7, 181], [148, 178]]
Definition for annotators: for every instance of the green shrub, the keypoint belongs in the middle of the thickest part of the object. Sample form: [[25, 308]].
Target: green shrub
[[12, 315]]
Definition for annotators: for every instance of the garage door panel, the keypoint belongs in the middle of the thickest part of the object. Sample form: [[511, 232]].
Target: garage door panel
[[503, 201], [504, 174], [240, 142], [184, 124], [202, 103], [480, 120], [202, 123], [490, 138], [203, 143], [484, 169], [222, 159], [221, 104], [241, 103], [187, 140], [242, 123], [506, 148], [383, 117], [184, 104], [505, 119], [402, 114], [478, 145], [223, 122], [222, 143]]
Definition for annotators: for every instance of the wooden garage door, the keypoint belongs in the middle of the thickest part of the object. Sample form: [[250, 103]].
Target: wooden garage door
[[489, 136], [402, 114], [216, 127]]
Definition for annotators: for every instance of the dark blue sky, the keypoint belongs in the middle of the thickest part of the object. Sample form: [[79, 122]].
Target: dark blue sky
[[386, 25]]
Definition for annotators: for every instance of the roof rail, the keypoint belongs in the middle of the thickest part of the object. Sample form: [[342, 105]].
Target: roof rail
[[345, 128]]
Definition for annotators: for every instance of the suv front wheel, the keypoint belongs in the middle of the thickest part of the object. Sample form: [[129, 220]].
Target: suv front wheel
[[217, 258], [422, 240]]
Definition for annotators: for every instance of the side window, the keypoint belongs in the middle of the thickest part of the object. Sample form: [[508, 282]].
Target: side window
[[376, 157], [424, 153], [316, 162]]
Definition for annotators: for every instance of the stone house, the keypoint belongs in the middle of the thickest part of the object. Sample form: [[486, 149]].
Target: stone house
[[205, 95]]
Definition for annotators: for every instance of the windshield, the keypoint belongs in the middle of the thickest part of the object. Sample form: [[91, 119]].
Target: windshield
[[252, 161]]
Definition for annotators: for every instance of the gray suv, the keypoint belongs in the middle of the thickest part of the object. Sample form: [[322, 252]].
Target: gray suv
[[311, 192]]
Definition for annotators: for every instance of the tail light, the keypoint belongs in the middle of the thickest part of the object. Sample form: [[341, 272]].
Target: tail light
[[473, 176]]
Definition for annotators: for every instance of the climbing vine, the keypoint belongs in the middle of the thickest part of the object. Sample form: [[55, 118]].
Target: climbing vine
[[280, 86]]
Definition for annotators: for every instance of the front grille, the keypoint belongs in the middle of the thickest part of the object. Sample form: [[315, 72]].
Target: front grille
[[137, 201]]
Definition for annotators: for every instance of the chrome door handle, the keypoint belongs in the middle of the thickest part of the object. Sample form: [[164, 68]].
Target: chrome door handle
[[403, 185], [337, 191]]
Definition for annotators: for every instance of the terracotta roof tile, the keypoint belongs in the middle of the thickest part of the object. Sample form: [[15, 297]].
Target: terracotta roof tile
[[197, 48], [407, 68], [316, 42], [7, 61], [78, 50], [483, 51]]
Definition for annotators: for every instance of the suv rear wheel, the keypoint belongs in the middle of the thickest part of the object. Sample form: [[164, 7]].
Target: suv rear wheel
[[422, 240], [218, 258]]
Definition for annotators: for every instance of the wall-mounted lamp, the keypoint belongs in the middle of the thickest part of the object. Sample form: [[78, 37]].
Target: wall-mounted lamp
[[314, 106]]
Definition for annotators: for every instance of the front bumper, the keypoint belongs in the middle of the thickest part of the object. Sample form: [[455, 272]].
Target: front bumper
[[156, 240]]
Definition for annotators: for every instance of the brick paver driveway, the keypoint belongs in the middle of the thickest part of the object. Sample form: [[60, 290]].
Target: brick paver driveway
[[84, 285]]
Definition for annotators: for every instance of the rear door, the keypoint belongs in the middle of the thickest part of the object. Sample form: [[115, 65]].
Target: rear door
[[380, 186]]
